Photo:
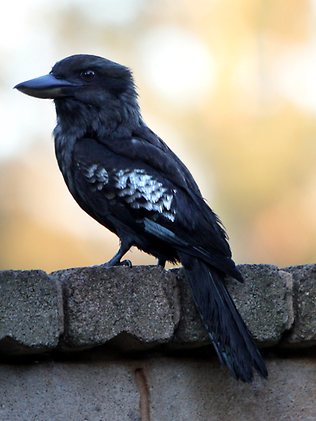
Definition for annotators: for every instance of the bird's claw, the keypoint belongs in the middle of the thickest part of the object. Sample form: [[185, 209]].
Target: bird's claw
[[126, 263]]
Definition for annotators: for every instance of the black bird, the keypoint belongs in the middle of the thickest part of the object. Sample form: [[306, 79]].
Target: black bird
[[124, 176]]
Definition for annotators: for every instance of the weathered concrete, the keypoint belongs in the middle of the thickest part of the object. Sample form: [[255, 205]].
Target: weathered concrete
[[138, 308], [304, 328], [31, 315], [199, 391], [190, 331], [145, 306], [135, 306], [155, 389], [264, 301], [68, 391]]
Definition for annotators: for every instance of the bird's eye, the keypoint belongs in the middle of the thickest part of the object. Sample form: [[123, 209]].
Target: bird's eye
[[87, 75]]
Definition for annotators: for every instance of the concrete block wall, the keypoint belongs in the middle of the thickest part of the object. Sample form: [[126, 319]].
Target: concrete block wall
[[127, 344]]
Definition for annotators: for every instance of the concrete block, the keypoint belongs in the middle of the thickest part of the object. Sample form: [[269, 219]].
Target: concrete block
[[155, 389], [199, 390], [76, 391], [31, 316], [132, 306], [190, 331], [264, 301], [304, 329]]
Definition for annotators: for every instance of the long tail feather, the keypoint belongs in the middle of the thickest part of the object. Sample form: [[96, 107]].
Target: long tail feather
[[230, 336]]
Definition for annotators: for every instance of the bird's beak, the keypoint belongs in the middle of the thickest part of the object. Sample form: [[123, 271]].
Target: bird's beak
[[46, 87]]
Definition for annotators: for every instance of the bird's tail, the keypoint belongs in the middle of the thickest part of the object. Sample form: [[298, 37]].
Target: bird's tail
[[230, 336]]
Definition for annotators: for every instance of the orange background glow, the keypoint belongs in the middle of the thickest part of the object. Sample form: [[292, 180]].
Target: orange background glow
[[230, 86]]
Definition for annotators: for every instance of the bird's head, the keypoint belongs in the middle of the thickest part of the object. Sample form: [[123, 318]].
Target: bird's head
[[85, 82], [84, 77]]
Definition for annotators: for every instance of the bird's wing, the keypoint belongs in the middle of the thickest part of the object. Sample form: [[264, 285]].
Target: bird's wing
[[141, 150], [149, 149], [144, 188], [146, 136]]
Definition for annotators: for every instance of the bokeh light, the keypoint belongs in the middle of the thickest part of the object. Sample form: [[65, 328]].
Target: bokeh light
[[230, 86], [177, 65]]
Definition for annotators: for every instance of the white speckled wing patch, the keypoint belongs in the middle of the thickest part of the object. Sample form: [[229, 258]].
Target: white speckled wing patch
[[141, 190], [135, 187], [97, 175]]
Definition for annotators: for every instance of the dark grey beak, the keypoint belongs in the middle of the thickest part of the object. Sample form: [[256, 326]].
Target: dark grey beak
[[46, 87]]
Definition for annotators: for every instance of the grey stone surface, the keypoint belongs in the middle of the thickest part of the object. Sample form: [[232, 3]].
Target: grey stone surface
[[131, 305], [190, 331], [304, 328], [145, 306], [138, 308], [155, 389], [31, 316], [185, 390], [74, 391], [264, 300]]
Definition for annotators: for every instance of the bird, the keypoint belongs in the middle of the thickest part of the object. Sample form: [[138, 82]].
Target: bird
[[126, 177]]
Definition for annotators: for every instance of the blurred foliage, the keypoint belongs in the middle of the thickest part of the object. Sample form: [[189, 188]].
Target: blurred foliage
[[248, 136]]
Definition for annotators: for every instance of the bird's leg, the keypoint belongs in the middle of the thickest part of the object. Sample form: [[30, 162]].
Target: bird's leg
[[161, 262], [116, 259]]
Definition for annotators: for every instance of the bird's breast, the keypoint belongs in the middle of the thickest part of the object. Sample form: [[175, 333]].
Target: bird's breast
[[64, 147]]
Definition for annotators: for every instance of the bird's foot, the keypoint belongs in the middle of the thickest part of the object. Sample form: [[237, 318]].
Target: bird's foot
[[126, 263], [110, 264], [161, 263]]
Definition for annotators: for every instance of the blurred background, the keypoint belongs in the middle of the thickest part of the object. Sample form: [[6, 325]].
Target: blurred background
[[229, 85]]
